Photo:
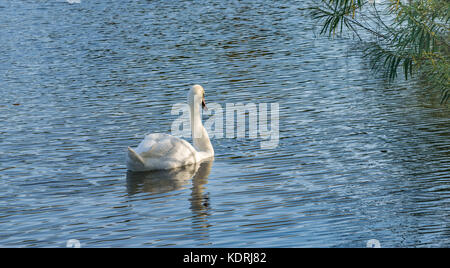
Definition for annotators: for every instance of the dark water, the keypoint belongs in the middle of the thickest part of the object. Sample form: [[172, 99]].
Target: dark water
[[357, 159]]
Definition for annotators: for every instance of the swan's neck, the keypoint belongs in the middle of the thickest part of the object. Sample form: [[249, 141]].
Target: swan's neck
[[200, 137]]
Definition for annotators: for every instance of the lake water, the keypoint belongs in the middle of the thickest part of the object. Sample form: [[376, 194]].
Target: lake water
[[357, 158]]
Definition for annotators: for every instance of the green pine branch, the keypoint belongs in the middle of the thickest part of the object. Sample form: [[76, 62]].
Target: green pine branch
[[416, 41]]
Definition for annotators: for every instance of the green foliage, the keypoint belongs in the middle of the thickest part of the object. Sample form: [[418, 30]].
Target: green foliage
[[412, 36]]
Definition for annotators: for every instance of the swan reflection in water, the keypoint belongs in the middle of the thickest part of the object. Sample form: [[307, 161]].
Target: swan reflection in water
[[163, 181]]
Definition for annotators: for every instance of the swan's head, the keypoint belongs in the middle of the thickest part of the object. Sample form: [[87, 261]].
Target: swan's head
[[198, 93]]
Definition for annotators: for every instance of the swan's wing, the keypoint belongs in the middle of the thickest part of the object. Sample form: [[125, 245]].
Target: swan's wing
[[163, 151], [164, 145]]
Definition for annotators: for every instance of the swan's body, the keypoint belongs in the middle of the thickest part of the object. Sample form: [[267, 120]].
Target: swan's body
[[162, 151]]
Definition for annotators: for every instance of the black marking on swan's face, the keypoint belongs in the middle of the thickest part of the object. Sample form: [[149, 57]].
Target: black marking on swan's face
[[204, 103]]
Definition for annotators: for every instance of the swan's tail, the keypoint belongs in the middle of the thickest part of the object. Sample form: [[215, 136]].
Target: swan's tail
[[135, 157]]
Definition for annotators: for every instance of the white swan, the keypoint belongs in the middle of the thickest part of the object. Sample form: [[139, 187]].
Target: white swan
[[162, 151]]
